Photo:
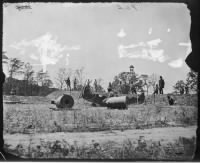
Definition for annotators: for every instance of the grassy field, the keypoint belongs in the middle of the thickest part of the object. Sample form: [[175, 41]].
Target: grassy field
[[35, 118], [19, 117]]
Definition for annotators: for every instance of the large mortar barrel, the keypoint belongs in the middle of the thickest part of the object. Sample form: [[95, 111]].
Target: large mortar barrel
[[64, 101], [117, 102]]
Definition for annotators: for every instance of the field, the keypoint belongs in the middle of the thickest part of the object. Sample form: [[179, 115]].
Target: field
[[154, 131]]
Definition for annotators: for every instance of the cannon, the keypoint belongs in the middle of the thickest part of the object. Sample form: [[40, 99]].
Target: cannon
[[64, 102], [116, 102]]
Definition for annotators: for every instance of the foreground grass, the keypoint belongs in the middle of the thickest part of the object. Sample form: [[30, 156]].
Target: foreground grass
[[180, 149]]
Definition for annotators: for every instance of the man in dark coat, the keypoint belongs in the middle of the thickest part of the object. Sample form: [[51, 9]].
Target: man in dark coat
[[161, 85], [68, 82], [95, 85], [109, 87]]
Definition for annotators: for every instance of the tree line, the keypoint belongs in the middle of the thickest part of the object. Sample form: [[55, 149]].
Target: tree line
[[25, 81], [39, 83], [189, 85]]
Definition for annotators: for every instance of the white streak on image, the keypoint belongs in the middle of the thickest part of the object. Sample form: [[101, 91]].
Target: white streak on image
[[157, 55], [143, 50], [144, 53], [154, 43], [187, 45], [122, 33], [49, 50], [150, 31], [178, 63]]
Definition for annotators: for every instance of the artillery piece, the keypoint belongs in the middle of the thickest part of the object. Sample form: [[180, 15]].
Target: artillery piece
[[64, 102]]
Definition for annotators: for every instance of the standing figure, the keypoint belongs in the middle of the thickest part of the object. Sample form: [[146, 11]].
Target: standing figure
[[75, 83], [156, 90], [161, 85], [109, 87], [68, 82], [181, 90], [186, 89], [133, 89], [95, 85]]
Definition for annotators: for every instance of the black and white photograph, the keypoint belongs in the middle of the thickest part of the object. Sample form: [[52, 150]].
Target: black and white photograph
[[98, 81]]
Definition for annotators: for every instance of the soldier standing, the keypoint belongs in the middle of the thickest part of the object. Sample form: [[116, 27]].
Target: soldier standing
[[186, 90], [68, 82], [161, 85], [75, 83], [95, 85], [109, 87]]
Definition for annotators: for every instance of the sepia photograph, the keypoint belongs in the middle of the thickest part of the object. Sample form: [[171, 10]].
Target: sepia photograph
[[98, 81]]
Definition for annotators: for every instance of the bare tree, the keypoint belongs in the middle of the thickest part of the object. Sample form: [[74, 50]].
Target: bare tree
[[99, 85], [79, 74], [152, 80], [28, 76], [28, 72], [61, 76]]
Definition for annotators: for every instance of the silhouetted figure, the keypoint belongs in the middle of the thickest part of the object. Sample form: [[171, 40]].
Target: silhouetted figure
[[95, 85], [68, 82], [186, 90], [109, 87], [133, 90], [88, 83], [156, 90], [170, 100], [161, 85], [181, 90], [75, 84]]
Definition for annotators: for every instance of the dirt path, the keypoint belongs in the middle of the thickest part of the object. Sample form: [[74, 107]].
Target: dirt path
[[164, 135]]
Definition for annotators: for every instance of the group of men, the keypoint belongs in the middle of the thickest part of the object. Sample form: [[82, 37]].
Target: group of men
[[160, 86], [68, 83]]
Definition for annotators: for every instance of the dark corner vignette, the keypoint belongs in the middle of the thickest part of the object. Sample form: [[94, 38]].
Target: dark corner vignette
[[192, 60]]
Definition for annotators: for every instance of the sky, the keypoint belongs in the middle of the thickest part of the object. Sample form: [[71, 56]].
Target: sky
[[104, 38]]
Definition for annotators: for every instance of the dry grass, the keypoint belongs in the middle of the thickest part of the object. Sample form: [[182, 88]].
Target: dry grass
[[19, 117], [36, 117], [181, 149]]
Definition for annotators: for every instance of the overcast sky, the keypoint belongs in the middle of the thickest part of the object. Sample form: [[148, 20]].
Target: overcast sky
[[105, 38]]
